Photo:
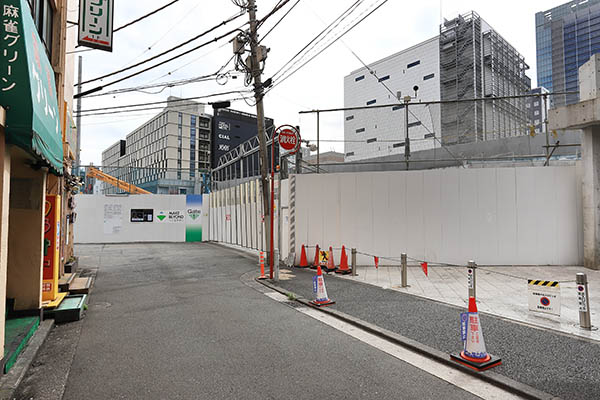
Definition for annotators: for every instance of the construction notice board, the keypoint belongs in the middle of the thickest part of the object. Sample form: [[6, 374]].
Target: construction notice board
[[544, 296], [51, 247]]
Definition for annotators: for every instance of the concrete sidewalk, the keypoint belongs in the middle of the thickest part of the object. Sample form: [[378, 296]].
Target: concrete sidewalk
[[501, 291], [561, 364]]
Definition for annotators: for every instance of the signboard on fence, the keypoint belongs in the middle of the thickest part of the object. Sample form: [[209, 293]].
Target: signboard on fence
[[544, 296]]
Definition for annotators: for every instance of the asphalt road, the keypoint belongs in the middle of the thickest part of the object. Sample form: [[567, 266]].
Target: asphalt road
[[174, 321], [552, 362]]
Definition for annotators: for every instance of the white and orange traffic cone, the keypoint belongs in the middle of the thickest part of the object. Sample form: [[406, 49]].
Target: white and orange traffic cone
[[303, 260], [330, 267], [474, 354], [321, 299], [343, 269], [261, 259]]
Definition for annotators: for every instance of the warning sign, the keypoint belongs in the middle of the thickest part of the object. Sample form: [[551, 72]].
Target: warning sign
[[581, 298], [323, 257], [544, 296]]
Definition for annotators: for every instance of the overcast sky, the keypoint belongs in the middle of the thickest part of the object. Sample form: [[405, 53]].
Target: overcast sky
[[394, 27]]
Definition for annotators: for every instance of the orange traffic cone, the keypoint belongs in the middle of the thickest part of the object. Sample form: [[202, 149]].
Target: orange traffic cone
[[262, 266], [316, 262], [474, 354], [330, 263], [343, 269], [320, 291], [303, 260]]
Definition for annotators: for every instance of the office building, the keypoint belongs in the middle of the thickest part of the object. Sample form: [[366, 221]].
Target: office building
[[537, 109], [467, 60], [566, 37], [167, 155]]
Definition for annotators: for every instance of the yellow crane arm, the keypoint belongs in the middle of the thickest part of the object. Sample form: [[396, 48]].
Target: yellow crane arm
[[119, 184]]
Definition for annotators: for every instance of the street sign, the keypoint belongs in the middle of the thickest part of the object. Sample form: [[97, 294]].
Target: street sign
[[581, 299], [323, 257], [289, 138], [96, 24], [544, 296], [470, 281], [463, 325]]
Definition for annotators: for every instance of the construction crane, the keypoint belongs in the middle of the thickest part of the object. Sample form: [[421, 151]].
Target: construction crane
[[119, 184]]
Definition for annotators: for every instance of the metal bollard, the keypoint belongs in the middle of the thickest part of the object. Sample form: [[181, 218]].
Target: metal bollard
[[583, 299], [404, 270], [276, 265], [353, 262], [472, 279]]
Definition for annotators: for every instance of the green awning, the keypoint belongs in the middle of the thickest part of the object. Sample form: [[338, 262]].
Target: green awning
[[27, 87]]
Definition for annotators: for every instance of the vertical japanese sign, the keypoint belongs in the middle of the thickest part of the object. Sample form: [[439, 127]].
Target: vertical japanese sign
[[193, 221], [96, 24], [27, 86], [51, 247]]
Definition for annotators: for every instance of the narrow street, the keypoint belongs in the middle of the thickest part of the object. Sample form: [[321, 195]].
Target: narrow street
[[176, 321]]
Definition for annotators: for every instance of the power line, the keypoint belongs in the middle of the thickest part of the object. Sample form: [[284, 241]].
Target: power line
[[145, 16], [281, 80], [167, 51], [99, 88], [278, 22], [133, 107]]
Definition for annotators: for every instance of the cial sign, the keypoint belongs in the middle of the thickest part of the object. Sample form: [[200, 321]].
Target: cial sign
[[470, 280], [289, 138]]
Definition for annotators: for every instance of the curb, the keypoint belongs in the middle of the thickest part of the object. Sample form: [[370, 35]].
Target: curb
[[10, 382], [508, 384]]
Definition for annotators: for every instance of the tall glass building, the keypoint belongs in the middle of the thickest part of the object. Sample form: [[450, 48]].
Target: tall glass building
[[566, 37]]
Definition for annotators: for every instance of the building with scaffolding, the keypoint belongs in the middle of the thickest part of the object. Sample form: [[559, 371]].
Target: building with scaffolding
[[566, 37], [468, 60], [475, 63]]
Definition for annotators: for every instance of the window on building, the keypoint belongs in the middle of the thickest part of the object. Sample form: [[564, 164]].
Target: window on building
[[371, 140], [413, 64], [536, 112], [413, 124], [371, 102], [359, 78], [350, 117], [536, 104], [360, 130], [429, 135], [427, 77], [395, 145], [43, 15], [349, 154], [397, 107], [384, 78]]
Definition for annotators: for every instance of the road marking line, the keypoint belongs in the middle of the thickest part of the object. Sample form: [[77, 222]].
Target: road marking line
[[448, 374]]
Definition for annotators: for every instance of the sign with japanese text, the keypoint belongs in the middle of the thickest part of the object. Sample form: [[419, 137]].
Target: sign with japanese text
[[581, 298], [544, 296], [288, 138], [51, 248], [27, 86], [96, 24]]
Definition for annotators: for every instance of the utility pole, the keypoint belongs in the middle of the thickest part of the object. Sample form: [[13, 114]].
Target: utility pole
[[260, 116], [406, 136]]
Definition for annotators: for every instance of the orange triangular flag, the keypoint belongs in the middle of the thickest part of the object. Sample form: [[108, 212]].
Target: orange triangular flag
[[424, 266]]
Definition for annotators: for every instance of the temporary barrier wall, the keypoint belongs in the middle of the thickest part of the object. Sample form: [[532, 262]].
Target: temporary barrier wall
[[495, 216], [155, 218]]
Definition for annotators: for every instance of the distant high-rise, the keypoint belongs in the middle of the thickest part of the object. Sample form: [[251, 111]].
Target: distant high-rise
[[566, 37]]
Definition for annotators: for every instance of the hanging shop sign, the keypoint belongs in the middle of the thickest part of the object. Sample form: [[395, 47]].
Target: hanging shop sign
[[96, 24], [27, 87]]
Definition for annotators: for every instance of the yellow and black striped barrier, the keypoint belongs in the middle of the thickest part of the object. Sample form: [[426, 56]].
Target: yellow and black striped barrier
[[542, 283]]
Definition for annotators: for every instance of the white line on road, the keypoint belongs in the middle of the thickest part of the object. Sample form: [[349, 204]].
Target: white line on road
[[448, 374]]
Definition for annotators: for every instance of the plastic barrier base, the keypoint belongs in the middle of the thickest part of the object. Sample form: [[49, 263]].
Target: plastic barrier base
[[477, 366]]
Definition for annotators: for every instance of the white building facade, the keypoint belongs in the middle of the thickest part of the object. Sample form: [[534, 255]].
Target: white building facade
[[469, 60], [381, 131]]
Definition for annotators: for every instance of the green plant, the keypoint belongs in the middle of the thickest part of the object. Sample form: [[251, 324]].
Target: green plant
[[291, 296]]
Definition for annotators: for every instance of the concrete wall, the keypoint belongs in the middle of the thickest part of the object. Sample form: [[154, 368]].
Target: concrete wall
[[106, 219], [491, 215]]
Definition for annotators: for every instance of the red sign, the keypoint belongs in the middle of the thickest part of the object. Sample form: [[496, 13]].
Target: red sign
[[289, 138]]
